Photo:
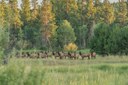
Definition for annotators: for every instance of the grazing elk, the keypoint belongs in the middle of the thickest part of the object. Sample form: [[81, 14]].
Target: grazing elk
[[84, 55], [61, 55], [27, 54], [42, 55], [65, 54], [55, 54], [76, 55], [71, 55], [93, 55]]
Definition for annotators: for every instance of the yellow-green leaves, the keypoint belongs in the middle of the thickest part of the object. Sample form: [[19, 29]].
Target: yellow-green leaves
[[108, 12], [47, 21], [26, 11], [121, 14], [35, 11], [2, 13]]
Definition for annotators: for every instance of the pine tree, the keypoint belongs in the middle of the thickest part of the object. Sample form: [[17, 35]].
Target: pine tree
[[98, 14], [35, 9], [91, 10], [121, 14], [108, 12], [71, 5], [47, 21], [2, 13], [90, 18], [64, 9], [15, 18], [26, 15]]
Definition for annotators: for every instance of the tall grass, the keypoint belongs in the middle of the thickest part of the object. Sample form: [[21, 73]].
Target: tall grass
[[100, 71]]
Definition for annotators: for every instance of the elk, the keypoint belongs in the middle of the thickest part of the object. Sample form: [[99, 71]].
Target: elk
[[76, 55], [71, 55], [61, 55], [65, 54], [55, 54], [84, 55], [93, 55]]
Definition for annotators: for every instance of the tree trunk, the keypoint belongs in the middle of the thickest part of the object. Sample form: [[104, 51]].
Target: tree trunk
[[90, 32]]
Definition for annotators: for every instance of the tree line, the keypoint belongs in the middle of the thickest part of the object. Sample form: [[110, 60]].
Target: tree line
[[64, 25]]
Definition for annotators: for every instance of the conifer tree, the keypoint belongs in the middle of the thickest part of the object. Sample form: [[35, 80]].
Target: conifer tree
[[98, 14], [2, 13], [121, 14], [35, 9], [15, 18], [108, 12], [90, 14], [26, 15], [47, 21]]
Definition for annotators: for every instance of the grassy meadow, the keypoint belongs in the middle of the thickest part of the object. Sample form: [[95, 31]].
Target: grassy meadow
[[112, 70]]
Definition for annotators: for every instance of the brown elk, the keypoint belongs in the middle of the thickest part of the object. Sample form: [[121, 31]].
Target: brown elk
[[84, 55], [43, 55], [71, 55], [65, 54], [93, 55], [76, 55], [55, 54], [61, 55]]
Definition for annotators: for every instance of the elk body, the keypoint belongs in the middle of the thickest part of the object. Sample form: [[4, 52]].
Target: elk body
[[84, 55]]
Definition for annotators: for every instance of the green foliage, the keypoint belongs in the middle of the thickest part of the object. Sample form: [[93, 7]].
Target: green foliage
[[81, 34], [33, 36], [65, 34], [4, 41], [110, 39], [123, 41], [99, 42]]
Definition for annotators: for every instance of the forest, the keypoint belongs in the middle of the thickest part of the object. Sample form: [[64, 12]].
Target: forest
[[64, 25]]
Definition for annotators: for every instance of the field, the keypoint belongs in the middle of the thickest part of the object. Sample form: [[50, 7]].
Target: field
[[112, 70]]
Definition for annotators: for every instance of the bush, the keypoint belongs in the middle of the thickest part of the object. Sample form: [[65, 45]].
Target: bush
[[71, 47]]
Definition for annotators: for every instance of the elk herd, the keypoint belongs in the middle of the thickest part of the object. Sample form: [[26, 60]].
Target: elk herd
[[56, 55]]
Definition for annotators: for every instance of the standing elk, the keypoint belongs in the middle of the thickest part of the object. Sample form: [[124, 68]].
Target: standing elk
[[93, 55], [55, 54], [84, 55], [61, 55], [71, 55]]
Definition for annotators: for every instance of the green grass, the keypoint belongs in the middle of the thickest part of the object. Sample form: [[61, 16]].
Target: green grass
[[111, 70]]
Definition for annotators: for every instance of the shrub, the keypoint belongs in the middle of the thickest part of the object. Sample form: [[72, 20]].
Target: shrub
[[71, 47]]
